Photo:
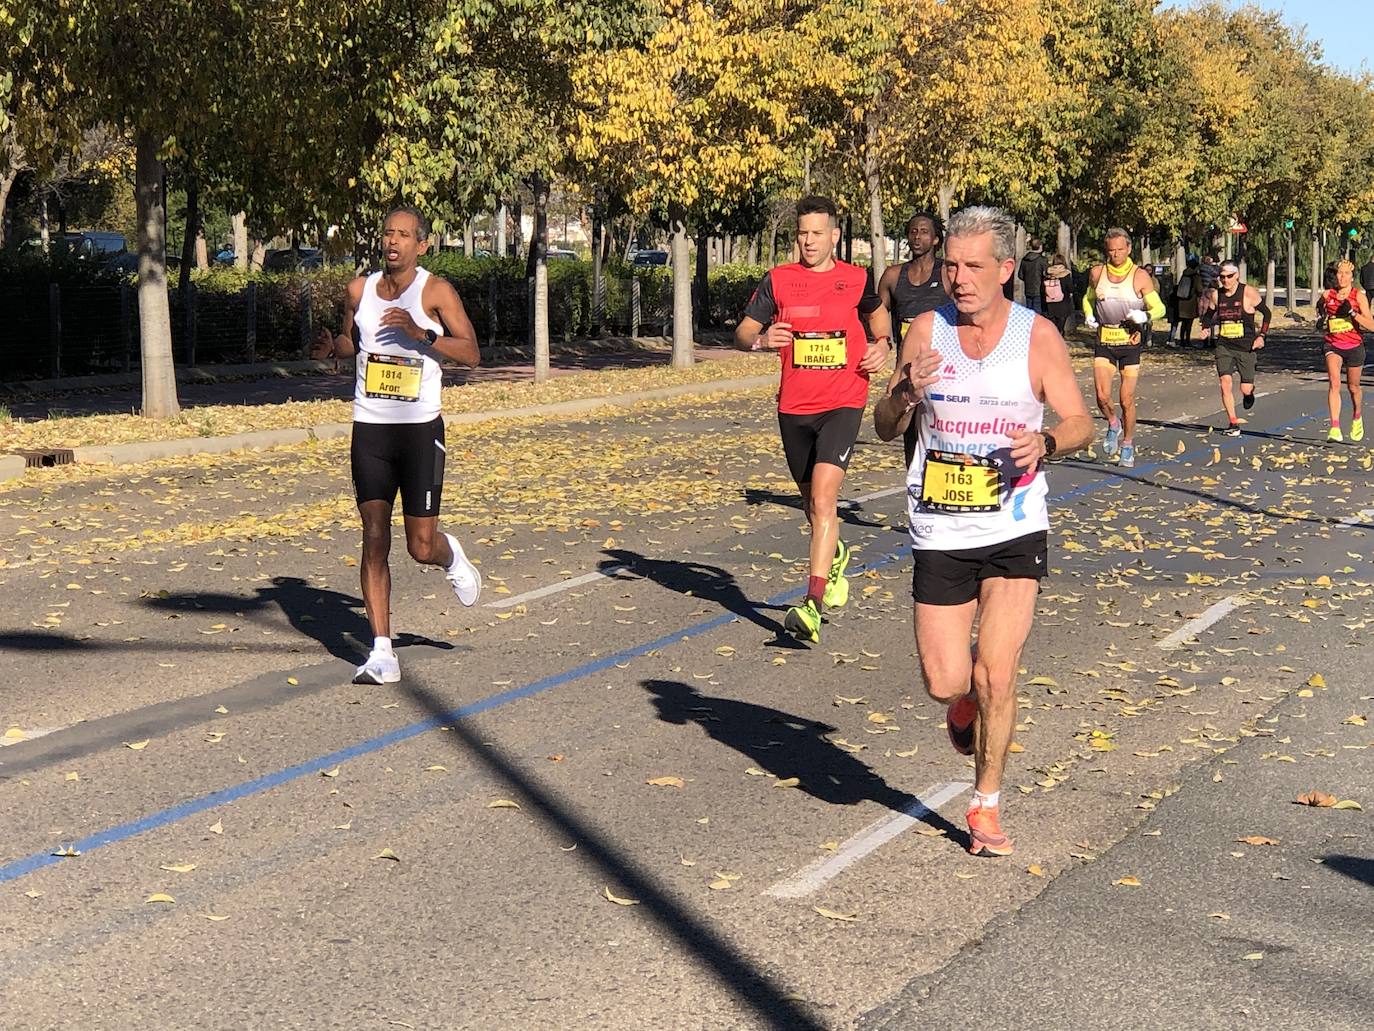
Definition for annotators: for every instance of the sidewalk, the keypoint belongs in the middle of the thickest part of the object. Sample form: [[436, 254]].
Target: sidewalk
[[273, 384]]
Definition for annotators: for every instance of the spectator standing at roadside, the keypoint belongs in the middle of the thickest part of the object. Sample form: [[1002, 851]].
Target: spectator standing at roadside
[[1058, 292], [1032, 274]]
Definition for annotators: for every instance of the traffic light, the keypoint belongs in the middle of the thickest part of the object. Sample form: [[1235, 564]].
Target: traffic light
[[1288, 223], [1354, 234]]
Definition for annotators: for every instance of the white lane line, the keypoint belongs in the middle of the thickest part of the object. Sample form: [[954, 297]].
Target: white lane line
[[855, 502], [1193, 627], [28, 735], [816, 873], [562, 585], [1362, 516]]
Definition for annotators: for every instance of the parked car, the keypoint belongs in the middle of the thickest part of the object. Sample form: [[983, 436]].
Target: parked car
[[96, 245], [289, 259], [647, 259], [128, 263], [559, 254]]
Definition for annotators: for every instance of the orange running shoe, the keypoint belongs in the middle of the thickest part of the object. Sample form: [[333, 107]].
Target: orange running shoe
[[985, 832], [959, 720]]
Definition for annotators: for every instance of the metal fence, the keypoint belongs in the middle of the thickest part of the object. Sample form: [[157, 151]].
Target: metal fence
[[54, 330]]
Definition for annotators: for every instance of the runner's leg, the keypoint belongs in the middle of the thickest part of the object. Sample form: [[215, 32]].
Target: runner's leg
[[1227, 401], [374, 572], [1334, 362], [1007, 608], [1130, 376], [822, 511], [943, 635]]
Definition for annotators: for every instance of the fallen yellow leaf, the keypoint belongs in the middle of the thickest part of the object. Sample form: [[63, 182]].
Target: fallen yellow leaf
[[611, 896], [831, 914], [503, 803], [178, 867], [137, 746], [386, 853], [158, 896], [1128, 882], [789, 782], [666, 782]]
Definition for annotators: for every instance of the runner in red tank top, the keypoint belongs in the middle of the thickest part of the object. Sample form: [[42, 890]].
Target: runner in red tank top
[[812, 312], [1343, 315]]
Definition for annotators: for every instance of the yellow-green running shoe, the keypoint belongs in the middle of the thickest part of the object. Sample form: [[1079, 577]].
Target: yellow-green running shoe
[[1335, 435], [1356, 433], [836, 586], [804, 622]]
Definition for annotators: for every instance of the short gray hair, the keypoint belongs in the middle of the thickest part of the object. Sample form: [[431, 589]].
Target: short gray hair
[[1117, 233], [982, 218]]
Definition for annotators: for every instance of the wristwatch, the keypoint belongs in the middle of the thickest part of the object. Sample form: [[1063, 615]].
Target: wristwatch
[[431, 336], [1051, 445]]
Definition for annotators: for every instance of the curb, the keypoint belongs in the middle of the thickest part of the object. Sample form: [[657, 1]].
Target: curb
[[129, 454]]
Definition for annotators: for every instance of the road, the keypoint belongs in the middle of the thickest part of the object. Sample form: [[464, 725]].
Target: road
[[456, 851]]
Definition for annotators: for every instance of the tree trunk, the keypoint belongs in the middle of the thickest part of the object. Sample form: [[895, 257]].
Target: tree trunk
[[1269, 273], [202, 250], [467, 238], [946, 200], [240, 225], [1018, 289], [598, 274], [501, 216], [517, 213], [6, 184], [258, 255], [683, 354], [771, 255], [44, 232], [1180, 258], [154, 316], [1291, 279], [538, 268], [1315, 279], [188, 239], [1063, 239], [873, 183], [702, 284]]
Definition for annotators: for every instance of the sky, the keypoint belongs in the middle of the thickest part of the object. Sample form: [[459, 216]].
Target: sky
[[1340, 26]]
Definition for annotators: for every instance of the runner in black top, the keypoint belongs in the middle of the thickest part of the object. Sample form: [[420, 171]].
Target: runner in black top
[[912, 289], [1229, 312]]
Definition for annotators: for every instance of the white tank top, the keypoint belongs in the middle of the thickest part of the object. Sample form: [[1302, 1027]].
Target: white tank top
[[972, 412], [398, 380], [1115, 300]]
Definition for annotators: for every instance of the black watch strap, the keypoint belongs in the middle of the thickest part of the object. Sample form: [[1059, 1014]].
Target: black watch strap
[[1051, 445], [431, 336]]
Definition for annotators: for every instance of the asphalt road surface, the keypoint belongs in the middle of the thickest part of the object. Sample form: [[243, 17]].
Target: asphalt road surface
[[614, 794]]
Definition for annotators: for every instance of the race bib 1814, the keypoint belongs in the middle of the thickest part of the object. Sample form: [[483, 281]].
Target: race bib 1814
[[393, 376]]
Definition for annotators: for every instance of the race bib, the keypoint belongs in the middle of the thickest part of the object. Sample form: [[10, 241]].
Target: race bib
[[393, 376], [1232, 330], [819, 351], [1113, 335], [953, 482], [906, 324], [1335, 325]]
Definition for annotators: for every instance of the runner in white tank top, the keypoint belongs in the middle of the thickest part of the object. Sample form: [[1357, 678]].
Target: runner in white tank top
[[405, 320], [978, 376]]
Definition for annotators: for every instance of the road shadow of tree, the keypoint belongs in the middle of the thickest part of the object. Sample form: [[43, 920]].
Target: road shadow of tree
[[700, 580], [330, 618], [772, 1007], [789, 746]]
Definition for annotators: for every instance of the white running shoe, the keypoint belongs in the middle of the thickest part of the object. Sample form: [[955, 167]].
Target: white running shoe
[[380, 668], [463, 575]]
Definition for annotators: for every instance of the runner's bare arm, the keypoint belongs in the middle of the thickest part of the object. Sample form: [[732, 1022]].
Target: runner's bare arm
[[340, 345], [1054, 382], [879, 321], [459, 342], [918, 366], [887, 284]]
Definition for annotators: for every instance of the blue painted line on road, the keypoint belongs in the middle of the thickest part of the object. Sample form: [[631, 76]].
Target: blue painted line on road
[[124, 831]]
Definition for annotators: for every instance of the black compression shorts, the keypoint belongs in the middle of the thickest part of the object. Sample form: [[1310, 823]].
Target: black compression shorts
[[954, 577], [826, 437], [1120, 357], [404, 457]]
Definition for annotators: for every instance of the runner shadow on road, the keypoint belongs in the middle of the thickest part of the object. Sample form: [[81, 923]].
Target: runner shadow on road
[[709, 583], [789, 746], [332, 619], [848, 512], [609, 862]]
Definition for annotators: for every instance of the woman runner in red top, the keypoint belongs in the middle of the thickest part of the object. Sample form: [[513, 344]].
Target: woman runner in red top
[[1344, 314]]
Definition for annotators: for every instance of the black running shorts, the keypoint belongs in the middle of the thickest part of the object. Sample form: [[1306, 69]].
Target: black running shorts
[[404, 457], [1232, 361], [1351, 357], [1120, 357], [824, 437], [953, 577]]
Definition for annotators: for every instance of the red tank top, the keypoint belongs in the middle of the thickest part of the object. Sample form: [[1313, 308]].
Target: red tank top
[[1347, 332]]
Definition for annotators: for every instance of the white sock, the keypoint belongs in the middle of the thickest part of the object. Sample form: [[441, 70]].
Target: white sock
[[455, 547], [382, 644], [988, 801]]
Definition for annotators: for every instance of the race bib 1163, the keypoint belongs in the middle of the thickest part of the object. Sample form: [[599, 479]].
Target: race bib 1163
[[954, 482]]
